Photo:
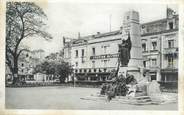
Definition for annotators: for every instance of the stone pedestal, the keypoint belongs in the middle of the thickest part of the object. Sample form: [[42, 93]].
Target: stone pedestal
[[135, 71], [153, 88], [131, 26]]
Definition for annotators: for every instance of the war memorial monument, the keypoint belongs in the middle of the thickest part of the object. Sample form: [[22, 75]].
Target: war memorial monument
[[130, 83]]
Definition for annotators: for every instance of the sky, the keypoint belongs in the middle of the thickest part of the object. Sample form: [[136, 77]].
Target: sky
[[68, 19]]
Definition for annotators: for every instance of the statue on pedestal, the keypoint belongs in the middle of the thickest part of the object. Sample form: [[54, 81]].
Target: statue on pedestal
[[124, 51]]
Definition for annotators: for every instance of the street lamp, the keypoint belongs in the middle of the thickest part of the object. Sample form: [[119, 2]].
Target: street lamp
[[74, 76]]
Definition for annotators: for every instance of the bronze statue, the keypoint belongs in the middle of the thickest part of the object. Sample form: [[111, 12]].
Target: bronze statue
[[124, 51]]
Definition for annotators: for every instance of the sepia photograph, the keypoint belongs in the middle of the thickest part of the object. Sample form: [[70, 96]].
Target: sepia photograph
[[91, 56]]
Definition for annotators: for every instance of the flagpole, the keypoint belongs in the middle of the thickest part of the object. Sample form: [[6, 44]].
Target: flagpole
[[110, 22]]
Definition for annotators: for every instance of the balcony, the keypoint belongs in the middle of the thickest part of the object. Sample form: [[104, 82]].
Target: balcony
[[145, 51], [153, 50], [172, 50], [104, 56]]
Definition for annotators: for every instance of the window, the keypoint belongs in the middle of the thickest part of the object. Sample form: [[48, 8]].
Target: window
[[105, 69], [80, 70], [170, 25], [153, 77], [27, 55], [93, 50], [76, 64], [154, 62], [82, 52], [100, 70], [154, 45], [170, 61], [93, 64], [144, 63], [105, 49], [76, 71], [144, 46], [105, 63], [22, 70], [94, 70], [170, 43], [22, 65], [76, 53], [85, 70]]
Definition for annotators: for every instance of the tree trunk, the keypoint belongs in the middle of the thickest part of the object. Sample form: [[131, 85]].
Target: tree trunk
[[15, 76], [15, 72]]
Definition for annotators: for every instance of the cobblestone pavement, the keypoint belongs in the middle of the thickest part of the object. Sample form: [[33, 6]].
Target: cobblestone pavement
[[68, 98]]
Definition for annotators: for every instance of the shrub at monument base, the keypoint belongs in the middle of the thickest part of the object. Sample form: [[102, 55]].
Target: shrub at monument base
[[118, 87]]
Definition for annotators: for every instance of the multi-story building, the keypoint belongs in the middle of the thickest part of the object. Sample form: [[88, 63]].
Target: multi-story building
[[28, 60], [26, 63], [160, 47], [95, 56]]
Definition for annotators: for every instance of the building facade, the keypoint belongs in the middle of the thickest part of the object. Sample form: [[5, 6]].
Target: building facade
[[93, 57], [28, 60], [26, 63], [160, 47]]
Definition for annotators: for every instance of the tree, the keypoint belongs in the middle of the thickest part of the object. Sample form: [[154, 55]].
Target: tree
[[61, 69], [57, 56], [23, 20], [64, 69], [52, 56]]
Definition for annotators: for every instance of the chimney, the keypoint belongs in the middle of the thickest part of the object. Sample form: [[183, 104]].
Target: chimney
[[64, 40], [98, 33]]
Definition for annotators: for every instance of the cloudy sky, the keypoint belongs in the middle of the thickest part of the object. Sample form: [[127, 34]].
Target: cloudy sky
[[67, 19]]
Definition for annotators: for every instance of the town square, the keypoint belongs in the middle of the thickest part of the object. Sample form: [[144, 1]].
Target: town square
[[91, 56], [69, 98]]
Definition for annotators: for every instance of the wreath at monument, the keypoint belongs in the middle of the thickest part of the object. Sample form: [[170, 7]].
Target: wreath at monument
[[118, 87]]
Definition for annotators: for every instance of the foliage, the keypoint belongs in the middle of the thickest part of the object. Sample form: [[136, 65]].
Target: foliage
[[118, 86], [23, 20], [112, 74], [63, 69]]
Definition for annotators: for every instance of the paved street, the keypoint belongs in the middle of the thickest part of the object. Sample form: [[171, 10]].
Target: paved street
[[67, 98]]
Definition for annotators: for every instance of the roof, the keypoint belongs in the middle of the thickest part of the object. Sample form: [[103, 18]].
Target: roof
[[98, 35], [157, 21], [116, 32], [107, 34]]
